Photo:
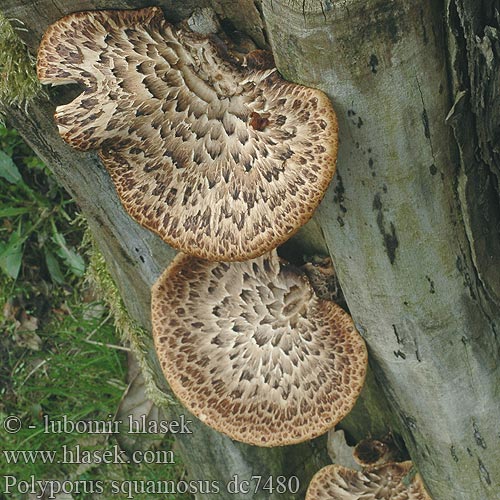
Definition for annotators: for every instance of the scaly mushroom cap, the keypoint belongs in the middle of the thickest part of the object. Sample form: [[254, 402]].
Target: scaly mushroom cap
[[251, 351], [389, 482], [223, 159]]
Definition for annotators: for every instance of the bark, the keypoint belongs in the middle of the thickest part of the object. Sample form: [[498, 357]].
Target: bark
[[474, 40], [412, 247]]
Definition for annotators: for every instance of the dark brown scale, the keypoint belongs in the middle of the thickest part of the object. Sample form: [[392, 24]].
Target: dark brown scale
[[243, 136], [213, 149], [182, 102], [187, 195], [259, 59], [62, 74], [180, 159], [229, 128], [146, 67], [197, 157], [235, 193], [280, 120], [171, 195], [304, 115], [286, 155], [258, 121], [247, 164]]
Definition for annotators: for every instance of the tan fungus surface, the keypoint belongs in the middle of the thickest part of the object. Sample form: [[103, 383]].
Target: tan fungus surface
[[223, 159], [251, 351], [389, 482]]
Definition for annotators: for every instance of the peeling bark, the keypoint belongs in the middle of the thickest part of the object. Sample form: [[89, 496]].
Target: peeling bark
[[474, 42]]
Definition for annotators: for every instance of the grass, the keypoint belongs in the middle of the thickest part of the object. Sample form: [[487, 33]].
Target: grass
[[59, 353]]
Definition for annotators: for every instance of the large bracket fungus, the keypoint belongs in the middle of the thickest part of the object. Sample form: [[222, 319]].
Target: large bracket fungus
[[252, 352], [393, 481], [221, 157]]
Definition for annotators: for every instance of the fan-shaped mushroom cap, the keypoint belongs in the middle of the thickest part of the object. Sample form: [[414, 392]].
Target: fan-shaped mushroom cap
[[252, 352], [389, 482], [223, 159]]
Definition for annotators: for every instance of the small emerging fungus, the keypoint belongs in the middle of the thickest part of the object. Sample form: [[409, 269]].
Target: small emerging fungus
[[394, 481], [222, 158], [252, 352], [371, 453]]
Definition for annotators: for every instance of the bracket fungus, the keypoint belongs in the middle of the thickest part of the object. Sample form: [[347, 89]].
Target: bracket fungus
[[220, 156], [251, 351], [393, 481]]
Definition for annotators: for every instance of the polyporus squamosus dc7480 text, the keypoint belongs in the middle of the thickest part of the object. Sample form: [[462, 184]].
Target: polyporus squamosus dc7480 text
[[222, 158], [252, 352]]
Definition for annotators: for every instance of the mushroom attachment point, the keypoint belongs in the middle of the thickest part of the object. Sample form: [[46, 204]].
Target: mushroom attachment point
[[393, 481], [220, 156], [370, 453], [250, 350]]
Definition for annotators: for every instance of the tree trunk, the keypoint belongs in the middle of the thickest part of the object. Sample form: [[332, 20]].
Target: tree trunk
[[420, 274]]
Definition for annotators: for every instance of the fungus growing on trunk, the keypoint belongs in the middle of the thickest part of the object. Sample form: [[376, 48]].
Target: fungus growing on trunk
[[221, 157], [393, 481], [370, 453], [251, 351]]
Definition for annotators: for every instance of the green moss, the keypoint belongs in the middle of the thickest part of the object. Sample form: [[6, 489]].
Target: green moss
[[18, 81], [138, 337]]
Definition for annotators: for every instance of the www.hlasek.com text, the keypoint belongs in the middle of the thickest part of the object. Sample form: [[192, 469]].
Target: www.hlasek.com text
[[79, 455]]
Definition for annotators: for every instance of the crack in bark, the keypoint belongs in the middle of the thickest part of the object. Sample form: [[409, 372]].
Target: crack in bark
[[477, 435], [390, 238], [483, 471], [396, 334], [417, 353], [425, 121]]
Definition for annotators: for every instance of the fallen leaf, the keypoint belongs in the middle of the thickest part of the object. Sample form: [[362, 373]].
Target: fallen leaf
[[10, 310], [94, 310], [28, 323], [28, 340]]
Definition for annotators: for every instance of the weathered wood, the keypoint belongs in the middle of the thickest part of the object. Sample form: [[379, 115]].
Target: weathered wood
[[396, 230], [474, 42], [36, 15]]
